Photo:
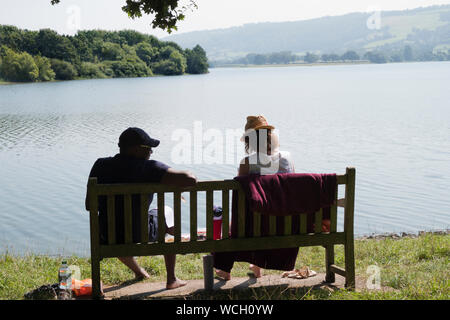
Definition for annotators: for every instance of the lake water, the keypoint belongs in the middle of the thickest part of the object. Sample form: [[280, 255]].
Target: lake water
[[391, 122]]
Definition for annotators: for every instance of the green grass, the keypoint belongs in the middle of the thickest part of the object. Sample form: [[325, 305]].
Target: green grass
[[416, 268]]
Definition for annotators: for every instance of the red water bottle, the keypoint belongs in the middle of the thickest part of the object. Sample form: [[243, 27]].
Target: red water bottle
[[217, 223]]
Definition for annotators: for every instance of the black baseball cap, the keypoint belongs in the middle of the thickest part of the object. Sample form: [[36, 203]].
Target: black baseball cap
[[136, 137]]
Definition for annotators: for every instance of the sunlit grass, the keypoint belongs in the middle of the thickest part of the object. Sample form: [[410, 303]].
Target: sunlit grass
[[415, 268]]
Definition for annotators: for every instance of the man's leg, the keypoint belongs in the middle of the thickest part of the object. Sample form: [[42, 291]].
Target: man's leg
[[172, 281], [131, 263]]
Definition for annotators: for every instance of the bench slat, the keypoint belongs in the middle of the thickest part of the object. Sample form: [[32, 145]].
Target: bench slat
[[209, 214], [272, 225], [193, 214], [303, 223], [224, 245], [137, 188], [177, 216], [241, 213], [287, 225], [144, 217], [318, 221], [111, 220], [225, 213], [128, 219], [256, 224], [161, 218]]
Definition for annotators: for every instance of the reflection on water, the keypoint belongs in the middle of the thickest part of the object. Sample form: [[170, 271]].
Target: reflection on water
[[391, 122]]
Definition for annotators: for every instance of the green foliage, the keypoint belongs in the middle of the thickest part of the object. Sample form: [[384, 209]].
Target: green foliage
[[64, 70], [110, 51], [330, 57], [91, 70], [166, 67], [166, 12], [196, 60], [127, 68], [19, 67], [408, 53], [375, 57], [311, 57], [350, 55], [146, 52], [100, 54], [51, 45], [46, 72], [171, 62]]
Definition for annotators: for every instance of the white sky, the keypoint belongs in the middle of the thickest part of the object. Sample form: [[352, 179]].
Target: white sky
[[71, 15]]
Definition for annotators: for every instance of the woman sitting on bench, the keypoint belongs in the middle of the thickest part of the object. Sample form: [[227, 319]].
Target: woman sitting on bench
[[264, 157]]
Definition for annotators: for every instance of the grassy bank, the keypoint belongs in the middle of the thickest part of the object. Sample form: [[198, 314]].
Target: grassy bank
[[416, 268], [2, 82]]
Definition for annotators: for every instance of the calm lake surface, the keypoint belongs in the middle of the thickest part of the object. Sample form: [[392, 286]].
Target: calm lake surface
[[391, 122]]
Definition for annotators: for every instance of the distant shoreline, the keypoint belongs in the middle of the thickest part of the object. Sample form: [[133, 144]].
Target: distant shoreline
[[315, 64], [276, 65]]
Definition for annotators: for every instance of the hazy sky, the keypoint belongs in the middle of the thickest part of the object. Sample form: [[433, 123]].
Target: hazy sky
[[71, 15]]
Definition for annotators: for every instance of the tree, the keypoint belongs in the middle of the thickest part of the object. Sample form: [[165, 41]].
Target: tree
[[129, 67], [408, 53], [196, 60], [63, 70], [111, 51], [375, 57], [166, 12], [91, 70], [174, 64], [18, 66], [350, 55], [131, 37], [260, 59], [311, 57], [46, 72], [146, 52], [51, 45], [86, 54]]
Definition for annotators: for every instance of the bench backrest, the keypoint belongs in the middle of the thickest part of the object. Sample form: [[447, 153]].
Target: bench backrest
[[179, 246]]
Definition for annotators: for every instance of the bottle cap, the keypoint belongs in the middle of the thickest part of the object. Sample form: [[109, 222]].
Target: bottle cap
[[217, 211]]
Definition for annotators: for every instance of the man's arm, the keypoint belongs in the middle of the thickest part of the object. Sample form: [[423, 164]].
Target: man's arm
[[177, 178], [86, 201]]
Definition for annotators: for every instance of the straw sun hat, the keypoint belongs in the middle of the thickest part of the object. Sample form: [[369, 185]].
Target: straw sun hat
[[255, 123]]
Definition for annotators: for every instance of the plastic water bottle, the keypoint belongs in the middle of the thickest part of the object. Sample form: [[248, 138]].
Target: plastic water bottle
[[217, 223], [65, 281]]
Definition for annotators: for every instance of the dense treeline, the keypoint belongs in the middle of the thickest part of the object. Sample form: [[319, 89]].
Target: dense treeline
[[286, 57], [45, 55]]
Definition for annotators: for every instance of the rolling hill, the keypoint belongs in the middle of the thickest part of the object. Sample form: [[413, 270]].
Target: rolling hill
[[424, 29]]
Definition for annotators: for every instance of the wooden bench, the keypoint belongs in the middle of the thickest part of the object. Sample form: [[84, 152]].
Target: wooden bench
[[326, 239]]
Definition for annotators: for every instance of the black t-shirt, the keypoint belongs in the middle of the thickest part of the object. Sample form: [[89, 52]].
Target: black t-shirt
[[124, 169]]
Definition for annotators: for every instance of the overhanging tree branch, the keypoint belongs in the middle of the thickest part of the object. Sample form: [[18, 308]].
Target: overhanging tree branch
[[167, 12]]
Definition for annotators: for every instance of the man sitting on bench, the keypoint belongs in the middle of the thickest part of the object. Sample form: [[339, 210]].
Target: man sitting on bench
[[132, 165]]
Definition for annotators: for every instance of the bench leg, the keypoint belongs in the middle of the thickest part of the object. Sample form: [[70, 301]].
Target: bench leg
[[95, 273], [208, 271], [349, 265], [329, 260]]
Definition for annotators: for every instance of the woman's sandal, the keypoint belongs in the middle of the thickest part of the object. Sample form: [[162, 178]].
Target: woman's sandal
[[302, 273]]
